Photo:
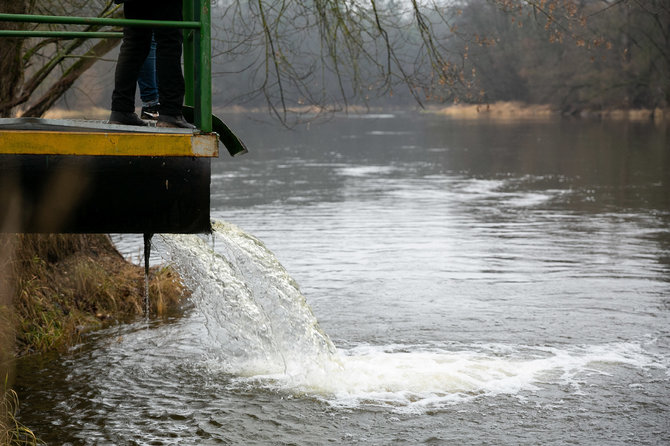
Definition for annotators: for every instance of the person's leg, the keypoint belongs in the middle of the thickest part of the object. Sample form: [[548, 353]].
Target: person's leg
[[134, 50], [146, 79], [168, 60], [149, 85], [168, 68]]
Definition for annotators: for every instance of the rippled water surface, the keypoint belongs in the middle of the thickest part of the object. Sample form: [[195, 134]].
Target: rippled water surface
[[399, 279]]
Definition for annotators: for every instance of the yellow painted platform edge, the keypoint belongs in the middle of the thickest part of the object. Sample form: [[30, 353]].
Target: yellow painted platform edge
[[41, 142]]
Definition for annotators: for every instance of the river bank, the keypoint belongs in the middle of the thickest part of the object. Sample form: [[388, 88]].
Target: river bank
[[65, 285], [520, 110], [54, 288]]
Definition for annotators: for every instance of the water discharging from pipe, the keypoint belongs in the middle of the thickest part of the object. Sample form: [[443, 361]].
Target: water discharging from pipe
[[255, 314]]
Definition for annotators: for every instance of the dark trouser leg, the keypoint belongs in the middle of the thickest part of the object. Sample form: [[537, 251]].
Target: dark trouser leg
[[134, 50], [168, 71], [168, 60]]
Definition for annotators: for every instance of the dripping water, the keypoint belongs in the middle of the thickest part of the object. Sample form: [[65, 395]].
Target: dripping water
[[147, 254]]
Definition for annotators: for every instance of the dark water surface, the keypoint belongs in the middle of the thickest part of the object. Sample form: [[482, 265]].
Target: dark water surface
[[481, 282]]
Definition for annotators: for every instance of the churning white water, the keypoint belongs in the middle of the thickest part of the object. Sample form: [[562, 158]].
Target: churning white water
[[261, 329]]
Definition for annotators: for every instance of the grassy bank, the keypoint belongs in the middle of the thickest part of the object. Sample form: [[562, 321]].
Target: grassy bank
[[497, 110], [54, 288], [64, 285]]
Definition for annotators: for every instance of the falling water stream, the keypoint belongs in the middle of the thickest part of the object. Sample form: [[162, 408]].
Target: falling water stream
[[147, 257], [257, 319]]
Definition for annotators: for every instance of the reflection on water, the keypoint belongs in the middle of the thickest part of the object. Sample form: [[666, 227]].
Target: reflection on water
[[481, 283]]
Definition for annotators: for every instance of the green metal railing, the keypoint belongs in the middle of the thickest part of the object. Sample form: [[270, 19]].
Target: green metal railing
[[197, 47]]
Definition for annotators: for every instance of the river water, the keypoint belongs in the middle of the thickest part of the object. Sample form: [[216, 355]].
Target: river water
[[434, 281]]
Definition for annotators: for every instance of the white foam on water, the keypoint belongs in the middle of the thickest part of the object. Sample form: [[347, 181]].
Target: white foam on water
[[530, 199], [364, 171], [387, 133], [419, 380], [261, 330]]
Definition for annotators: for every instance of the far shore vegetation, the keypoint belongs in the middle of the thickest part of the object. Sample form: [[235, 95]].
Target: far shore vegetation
[[520, 110], [599, 58]]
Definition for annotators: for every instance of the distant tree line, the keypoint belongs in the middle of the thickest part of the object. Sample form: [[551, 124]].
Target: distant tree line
[[572, 54], [587, 54]]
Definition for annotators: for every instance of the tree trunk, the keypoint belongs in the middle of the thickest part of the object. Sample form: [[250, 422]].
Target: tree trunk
[[11, 74], [59, 88]]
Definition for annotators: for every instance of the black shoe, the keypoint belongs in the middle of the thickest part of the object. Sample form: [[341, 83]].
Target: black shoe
[[125, 118], [174, 122], [150, 113]]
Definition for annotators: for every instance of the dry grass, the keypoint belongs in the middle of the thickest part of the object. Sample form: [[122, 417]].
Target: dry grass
[[497, 110], [12, 432], [103, 113], [502, 111], [644, 114], [65, 285], [55, 287]]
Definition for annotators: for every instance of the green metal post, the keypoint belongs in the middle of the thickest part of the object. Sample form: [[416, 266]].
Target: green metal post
[[189, 53], [203, 67]]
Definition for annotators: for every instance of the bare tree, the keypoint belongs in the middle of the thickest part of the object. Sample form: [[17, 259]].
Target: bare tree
[[10, 54], [40, 71], [324, 53], [574, 55], [291, 52]]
